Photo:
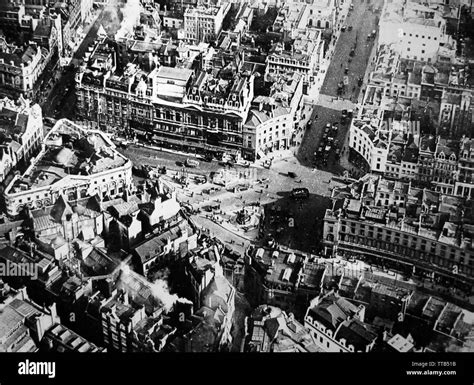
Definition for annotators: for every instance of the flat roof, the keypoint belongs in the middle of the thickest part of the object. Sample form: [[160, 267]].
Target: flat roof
[[182, 74]]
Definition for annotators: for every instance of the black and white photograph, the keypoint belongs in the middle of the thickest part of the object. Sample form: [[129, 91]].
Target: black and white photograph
[[235, 179]]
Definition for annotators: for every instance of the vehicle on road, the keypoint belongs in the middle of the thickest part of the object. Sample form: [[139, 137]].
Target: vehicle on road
[[300, 193], [207, 158], [199, 179], [346, 71], [343, 28], [244, 163], [191, 163]]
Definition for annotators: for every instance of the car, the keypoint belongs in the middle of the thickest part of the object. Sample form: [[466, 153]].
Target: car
[[343, 28], [346, 71], [344, 113]]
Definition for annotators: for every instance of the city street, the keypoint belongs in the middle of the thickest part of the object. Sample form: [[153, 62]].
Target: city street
[[363, 22], [61, 100], [329, 107]]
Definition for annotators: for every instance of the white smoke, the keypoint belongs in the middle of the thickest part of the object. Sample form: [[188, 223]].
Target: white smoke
[[159, 288], [111, 22], [131, 18], [160, 291]]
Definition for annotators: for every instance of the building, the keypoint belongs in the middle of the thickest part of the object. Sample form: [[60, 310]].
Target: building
[[281, 278], [269, 329], [60, 339], [303, 57], [337, 325], [172, 244], [73, 162], [171, 107], [23, 323], [21, 125], [424, 232], [297, 15], [21, 69], [203, 24], [202, 265], [118, 319], [464, 180], [272, 121], [420, 30]]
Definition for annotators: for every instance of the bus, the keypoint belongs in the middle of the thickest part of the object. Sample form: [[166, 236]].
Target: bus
[[300, 193], [192, 163]]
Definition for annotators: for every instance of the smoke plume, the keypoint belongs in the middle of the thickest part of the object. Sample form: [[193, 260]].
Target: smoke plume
[[131, 18], [159, 288]]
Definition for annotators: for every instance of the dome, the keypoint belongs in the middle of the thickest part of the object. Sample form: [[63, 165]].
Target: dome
[[64, 156]]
